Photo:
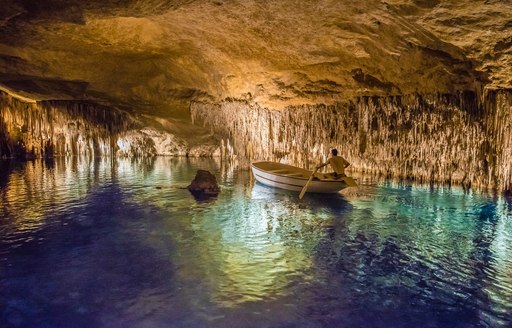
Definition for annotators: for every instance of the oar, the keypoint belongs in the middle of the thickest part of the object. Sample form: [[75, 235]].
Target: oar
[[350, 182], [303, 191]]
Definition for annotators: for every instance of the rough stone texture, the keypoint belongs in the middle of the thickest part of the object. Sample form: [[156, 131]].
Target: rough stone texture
[[30, 130], [157, 55], [413, 88], [61, 128], [438, 138], [204, 184]]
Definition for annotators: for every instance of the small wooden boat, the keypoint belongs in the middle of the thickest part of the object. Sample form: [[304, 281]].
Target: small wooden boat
[[294, 178]]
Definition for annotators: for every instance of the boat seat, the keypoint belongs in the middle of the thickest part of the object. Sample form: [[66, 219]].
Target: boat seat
[[278, 171], [295, 175], [326, 177]]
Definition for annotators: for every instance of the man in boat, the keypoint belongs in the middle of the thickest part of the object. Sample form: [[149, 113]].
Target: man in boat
[[338, 164]]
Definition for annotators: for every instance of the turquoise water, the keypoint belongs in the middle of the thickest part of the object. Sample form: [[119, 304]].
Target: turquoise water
[[121, 244]]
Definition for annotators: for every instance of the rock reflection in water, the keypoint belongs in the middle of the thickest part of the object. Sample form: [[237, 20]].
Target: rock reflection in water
[[95, 243]]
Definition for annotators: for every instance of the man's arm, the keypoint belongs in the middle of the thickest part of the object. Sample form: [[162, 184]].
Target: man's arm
[[347, 164], [321, 165]]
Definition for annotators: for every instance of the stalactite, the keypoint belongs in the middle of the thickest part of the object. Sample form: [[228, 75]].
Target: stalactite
[[57, 128], [430, 138], [498, 129], [63, 128]]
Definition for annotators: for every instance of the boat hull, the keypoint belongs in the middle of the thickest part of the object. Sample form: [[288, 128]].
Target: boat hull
[[293, 178]]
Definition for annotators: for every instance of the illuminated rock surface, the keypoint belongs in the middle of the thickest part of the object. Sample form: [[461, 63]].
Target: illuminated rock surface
[[156, 55], [54, 128], [148, 60], [453, 139]]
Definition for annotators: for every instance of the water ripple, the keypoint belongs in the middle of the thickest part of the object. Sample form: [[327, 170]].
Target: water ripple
[[124, 244]]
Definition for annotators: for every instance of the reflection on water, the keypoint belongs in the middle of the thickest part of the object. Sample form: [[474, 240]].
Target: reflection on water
[[111, 243], [31, 191]]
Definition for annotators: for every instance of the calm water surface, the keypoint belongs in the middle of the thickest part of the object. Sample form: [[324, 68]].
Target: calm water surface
[[122, 244]]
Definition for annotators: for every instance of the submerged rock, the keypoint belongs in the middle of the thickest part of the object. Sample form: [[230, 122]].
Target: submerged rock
[[204, 185]]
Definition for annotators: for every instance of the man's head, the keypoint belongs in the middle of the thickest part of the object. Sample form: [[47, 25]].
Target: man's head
[[334, 152]]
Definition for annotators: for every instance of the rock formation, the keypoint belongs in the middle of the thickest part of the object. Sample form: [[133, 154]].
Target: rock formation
[[63, 128], [446, 138], [204, 185], [408, 88]]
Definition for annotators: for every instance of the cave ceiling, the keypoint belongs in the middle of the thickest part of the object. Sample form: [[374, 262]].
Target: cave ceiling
[[155, 56]]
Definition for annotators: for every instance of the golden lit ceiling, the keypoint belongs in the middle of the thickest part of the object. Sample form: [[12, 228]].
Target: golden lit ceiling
[[155, 56]]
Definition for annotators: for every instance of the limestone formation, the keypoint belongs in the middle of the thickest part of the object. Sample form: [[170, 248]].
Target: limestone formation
[[63, 128], [406, 88], [158, 55], [431, 138]]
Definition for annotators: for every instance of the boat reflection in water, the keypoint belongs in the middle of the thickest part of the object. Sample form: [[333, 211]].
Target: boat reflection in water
[[95, 243], [289, 177]]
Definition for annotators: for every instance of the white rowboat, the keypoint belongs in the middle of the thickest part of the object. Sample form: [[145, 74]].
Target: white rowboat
[[294, 178]]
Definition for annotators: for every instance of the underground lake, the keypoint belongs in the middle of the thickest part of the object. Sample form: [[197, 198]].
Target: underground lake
[[121, 243]]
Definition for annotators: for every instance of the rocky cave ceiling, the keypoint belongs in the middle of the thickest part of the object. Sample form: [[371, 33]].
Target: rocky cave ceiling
[[155, 56]]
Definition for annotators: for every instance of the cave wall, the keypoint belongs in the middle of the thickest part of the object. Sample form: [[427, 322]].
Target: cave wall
[[65, 128], [30, 130], [463, 138]]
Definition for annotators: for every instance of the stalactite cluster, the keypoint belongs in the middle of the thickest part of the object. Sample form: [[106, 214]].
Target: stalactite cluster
[[463, 138], [499, 137], [60, 128], [54, 128]]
